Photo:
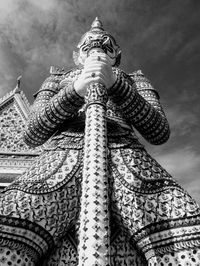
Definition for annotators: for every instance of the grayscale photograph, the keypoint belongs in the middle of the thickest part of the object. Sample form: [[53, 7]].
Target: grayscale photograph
[[99, 133]]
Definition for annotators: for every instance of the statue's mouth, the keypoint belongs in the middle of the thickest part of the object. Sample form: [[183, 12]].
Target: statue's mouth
[[96, 44]]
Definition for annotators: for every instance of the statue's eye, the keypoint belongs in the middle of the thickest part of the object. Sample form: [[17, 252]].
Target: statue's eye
[[85, 48], [89, 39], [106, 39]]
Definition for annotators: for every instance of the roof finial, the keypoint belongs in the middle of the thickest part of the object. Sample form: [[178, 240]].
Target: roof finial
[[97, 25], [19, 81], [17, 88]]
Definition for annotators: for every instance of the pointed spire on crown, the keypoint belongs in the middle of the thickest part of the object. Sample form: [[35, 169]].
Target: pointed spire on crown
[[97, 25]]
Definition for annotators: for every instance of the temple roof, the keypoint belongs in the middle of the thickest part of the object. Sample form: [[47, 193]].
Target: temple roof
[[20, 98], [14, 111], [15, 155]]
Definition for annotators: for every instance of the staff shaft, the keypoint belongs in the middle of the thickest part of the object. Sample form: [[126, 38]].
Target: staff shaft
[[94, 217]]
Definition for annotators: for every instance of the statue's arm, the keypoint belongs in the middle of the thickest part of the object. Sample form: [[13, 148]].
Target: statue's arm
[[52, 107], [141, 108]]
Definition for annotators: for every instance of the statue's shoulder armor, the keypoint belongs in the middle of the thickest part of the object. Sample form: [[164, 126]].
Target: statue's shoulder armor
[[138, 76], [141, 82], [57, 71], [56, 76]]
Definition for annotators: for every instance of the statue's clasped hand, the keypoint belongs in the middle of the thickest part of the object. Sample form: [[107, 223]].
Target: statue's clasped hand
[[97, 68]]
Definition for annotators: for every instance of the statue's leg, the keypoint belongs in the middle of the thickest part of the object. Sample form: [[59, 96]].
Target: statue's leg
[[38, 208], [163, 219]]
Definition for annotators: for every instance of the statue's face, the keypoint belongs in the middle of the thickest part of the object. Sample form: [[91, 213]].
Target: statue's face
[[101, 42]]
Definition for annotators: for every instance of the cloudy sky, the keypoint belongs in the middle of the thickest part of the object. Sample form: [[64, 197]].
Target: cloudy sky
[[161, 37]]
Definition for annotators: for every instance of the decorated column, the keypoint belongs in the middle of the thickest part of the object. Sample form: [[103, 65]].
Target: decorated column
[[94, 217]]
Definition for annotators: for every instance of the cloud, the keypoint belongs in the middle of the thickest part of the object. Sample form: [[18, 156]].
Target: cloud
[[161, 32], [34, 35], [182, 122], [189, 50], [9, 69]]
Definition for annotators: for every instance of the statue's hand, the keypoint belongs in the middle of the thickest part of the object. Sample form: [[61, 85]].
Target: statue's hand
[[97, 68]]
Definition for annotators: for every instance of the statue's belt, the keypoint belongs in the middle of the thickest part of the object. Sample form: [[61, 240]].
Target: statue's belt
[[117, 124], [71, 136]]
